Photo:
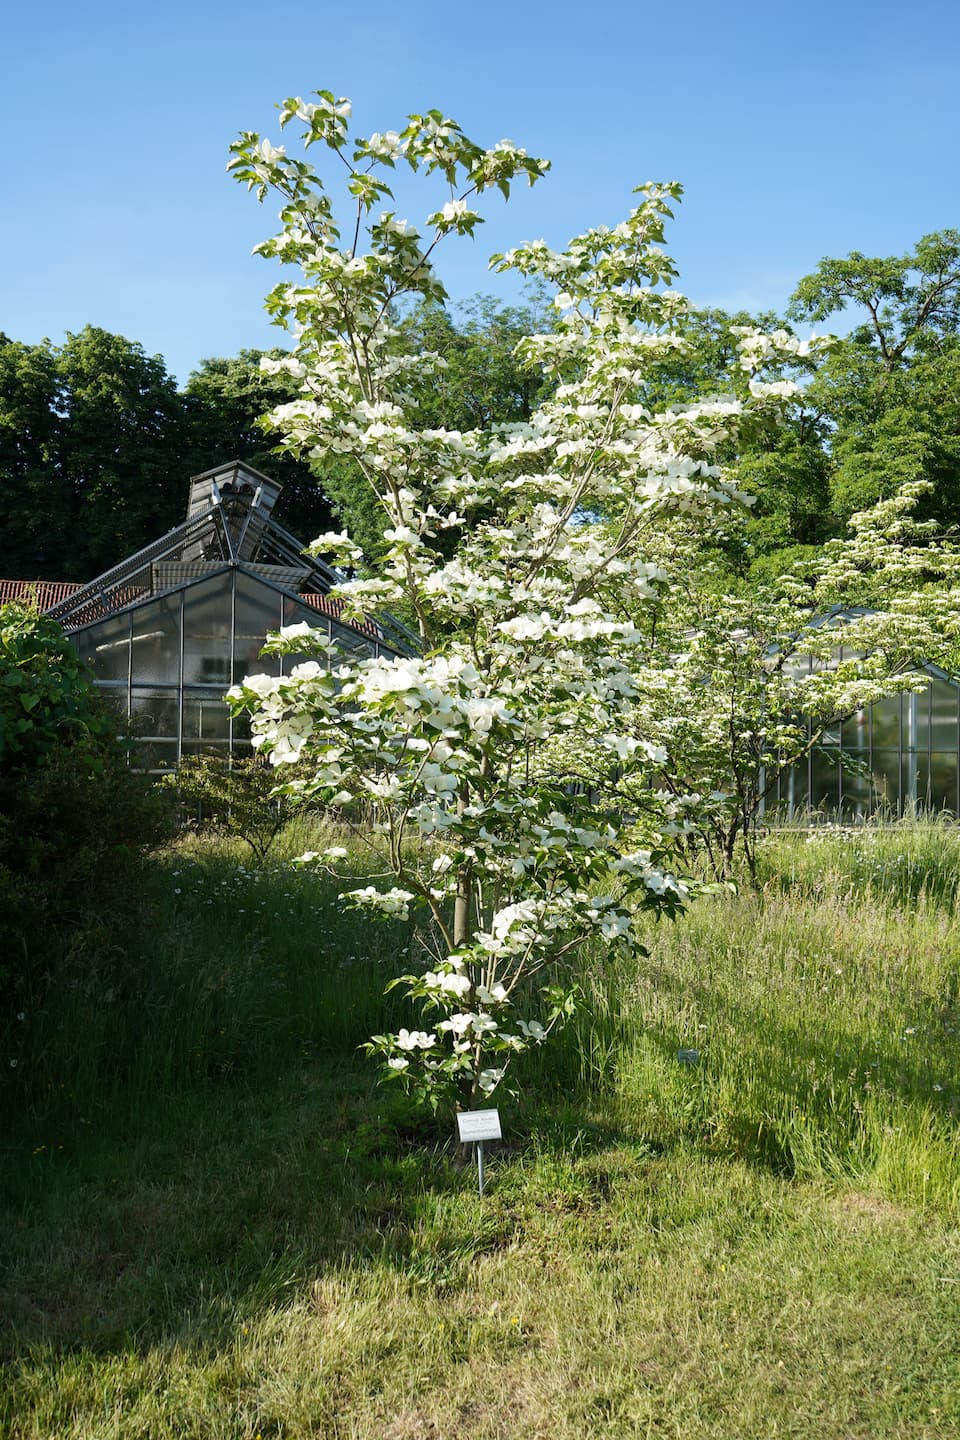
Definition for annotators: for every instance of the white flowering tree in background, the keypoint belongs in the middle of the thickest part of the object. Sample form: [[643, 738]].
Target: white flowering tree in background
[[531, 629], [740, 683]]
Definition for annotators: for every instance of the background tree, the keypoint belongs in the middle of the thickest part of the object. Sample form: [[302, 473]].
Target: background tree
[[121, 447], [483, 382], [890, 389], [96, 443], [480, 382], [880, 410], [778, 457], [37, 516]]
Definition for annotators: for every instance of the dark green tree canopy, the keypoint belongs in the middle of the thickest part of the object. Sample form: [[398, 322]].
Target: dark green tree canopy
[[120, 435], [36, 516], [91, 432], [880, 409], [890, 389], [97, 442]]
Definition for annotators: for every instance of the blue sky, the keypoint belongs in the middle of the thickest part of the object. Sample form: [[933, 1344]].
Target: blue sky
[[798, 132]]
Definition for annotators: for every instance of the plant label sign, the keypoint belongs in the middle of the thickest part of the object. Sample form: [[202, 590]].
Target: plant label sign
[[478, 1125]]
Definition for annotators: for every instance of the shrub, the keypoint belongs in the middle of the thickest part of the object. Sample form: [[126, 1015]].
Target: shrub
[[74, 818], [47, 699], [234, 795]]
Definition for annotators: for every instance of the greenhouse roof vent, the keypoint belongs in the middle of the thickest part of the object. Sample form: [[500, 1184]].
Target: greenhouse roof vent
[[246, 498], [236, 481]]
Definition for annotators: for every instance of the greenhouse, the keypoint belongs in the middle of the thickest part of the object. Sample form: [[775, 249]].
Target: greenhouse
[[169, 630]]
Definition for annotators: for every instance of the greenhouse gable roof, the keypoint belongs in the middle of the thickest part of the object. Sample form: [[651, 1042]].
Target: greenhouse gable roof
[[229, 522]]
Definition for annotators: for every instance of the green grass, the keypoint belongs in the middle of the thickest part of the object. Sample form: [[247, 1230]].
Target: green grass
[[215, 1224]]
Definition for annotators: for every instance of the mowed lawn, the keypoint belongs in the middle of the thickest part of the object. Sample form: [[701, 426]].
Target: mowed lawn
[[217, 1224]]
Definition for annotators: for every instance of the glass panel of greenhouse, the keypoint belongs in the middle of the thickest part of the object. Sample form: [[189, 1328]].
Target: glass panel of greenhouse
[[899, 757]]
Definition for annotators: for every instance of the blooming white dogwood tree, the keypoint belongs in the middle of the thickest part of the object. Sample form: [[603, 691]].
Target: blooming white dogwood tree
[[740, 683], [527, 628]]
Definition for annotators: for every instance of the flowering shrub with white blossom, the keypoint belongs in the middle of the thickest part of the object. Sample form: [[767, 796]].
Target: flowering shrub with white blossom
[[530, 634], [741, 683]]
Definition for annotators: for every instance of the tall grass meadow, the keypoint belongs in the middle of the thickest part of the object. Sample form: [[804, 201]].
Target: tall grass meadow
[[811, 1025]]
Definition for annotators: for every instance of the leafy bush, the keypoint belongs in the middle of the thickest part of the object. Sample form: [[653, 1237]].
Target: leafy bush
[[74, 819], [47, 699]]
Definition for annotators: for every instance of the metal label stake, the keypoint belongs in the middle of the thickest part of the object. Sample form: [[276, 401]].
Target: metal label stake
[[475, 1126]]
